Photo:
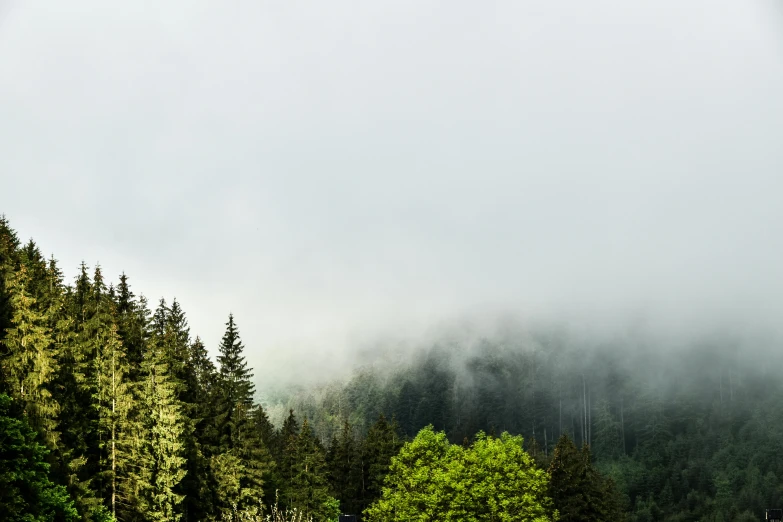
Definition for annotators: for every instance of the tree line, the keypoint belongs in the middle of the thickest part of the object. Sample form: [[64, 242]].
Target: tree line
[[122, 415], [687, 432], [111, 410]]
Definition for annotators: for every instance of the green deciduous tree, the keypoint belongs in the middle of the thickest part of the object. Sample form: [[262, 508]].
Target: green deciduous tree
[[494, 479]]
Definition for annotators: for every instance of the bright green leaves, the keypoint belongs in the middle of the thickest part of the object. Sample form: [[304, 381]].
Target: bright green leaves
[[494, 479]]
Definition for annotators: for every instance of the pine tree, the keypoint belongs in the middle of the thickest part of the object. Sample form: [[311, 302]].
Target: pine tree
[[381, 444], [577, 490], [343, 460], [31, 361], [235, 390], [9, 261], [160, 448], [114, 405], [268, 436], [236, 441], [26, 490], [200, 376], [285, 455], [131, 328], [75, 399], [309, 490]]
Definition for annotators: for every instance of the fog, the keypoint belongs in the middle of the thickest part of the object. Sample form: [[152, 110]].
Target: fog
[[346, 175]]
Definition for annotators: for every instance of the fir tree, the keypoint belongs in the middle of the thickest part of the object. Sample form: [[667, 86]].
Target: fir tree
[[160, 448], [31, 361], [114, 405], [9, 261], [235, 439], [344, 463], [130, 327], [26, 491], [380, 445], [577, 490], [309, 489], [285, 455]]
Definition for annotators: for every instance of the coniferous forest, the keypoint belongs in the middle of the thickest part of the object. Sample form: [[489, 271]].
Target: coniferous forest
[[112, 409]]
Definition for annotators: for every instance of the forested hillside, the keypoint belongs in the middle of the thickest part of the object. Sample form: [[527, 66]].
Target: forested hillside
[[111, 409], [687, 430]]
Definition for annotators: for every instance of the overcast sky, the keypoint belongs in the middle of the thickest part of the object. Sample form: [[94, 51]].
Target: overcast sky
[[334, 171]]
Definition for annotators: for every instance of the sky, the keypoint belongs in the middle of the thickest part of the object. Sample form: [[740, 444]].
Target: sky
[[335, 173]]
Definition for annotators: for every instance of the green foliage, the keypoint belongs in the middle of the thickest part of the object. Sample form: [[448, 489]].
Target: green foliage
[[308, 489], [578, 491], [160, 451], [234, 439], [139, 421], [26, 492], [31, 361], [494, 479]]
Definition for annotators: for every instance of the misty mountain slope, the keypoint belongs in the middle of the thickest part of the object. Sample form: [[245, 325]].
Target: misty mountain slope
[[686, 429]]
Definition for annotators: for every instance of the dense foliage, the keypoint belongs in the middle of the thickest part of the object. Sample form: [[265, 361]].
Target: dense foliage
[[26, 491], [494, 479], [687, 432], [112, 410]]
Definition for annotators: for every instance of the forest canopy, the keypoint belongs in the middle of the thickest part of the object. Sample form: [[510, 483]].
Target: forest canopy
[[110, 408]]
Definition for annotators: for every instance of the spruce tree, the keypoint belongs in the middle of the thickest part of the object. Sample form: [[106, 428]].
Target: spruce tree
[[237, 443], [130, 326], [577, 489], [381, 444], [160, 448], [26, 490], [30, 363], [343, 460], [9, 261], [285, 455], [115, 404], [199, 383], [309, 489], [235, 390]]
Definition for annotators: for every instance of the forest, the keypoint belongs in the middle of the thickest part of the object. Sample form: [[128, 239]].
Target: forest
[[111, 409]]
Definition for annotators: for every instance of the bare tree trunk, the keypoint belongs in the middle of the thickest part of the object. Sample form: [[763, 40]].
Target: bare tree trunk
[[622, 423], [584, 410], [731, 387], [589, 419], [113, 440], [545, 443]]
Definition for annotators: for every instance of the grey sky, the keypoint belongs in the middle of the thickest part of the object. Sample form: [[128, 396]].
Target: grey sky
[[335, 171]]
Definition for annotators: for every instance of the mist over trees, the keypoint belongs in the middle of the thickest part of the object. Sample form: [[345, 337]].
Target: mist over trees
[[111, 409]]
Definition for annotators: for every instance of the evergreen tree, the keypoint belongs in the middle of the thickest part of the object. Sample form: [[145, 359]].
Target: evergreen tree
[[200, 377], [235, 390], [130, 327], [285, 455], [114, 404], [31, 361], [9, 261], [269, 438], [309, 490], [26, 491], [160, 448], [381, 444], [238, 445], [344, 463], [577, 490]]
